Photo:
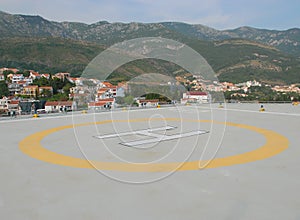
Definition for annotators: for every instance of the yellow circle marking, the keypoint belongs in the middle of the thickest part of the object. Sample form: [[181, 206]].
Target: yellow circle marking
[[275, 144]]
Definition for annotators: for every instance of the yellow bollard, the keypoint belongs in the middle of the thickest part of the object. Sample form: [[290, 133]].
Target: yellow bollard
[[262, 109]]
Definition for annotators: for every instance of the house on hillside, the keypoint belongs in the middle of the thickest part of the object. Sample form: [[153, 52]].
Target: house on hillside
[[110, 88], [14, 70], [8, 105], [13, 106], [60, 106], [15, 89], [62, 76], [77, 81], [15, 78], [31, 90], [45, 75], [45, 91], [4, 104], [34, 75], [106, 92], [106, 84], [23, 83], [102, 104]]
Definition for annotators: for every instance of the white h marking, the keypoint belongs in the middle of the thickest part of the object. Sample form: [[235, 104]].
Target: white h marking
[[149, 132]]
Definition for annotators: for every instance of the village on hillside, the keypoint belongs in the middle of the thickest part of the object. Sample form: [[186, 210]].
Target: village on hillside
[[32, 92]]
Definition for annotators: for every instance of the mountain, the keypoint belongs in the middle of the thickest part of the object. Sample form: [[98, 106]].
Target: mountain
[[287, 41], [32, 42], [47, 54], [108, 33], [100, 32]]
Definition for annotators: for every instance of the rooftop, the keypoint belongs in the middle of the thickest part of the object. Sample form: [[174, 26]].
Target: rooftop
[[56, 168]]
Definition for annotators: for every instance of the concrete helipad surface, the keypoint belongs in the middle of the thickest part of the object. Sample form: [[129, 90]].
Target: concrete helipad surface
[[186, 162]]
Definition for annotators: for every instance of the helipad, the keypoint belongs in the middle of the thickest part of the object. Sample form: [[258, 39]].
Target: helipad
[[171, 163]]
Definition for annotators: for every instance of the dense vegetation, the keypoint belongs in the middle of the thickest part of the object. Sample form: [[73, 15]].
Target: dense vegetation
[[233, 60], [262, 94], [3, 89], [31, 42], [47, 55]]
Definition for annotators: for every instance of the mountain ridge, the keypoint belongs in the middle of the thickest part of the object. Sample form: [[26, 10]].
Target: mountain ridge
[[25, 39], [287, 41]]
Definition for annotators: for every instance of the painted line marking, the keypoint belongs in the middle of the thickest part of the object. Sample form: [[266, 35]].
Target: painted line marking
[[160, 138], [149, 132], [31, 146], [141, 132], [252, 111]]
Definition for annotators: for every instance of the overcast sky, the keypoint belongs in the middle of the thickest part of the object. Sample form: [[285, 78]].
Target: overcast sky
[[219, 14]]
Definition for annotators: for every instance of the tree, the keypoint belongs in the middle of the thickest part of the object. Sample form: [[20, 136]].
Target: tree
[[120, 100], [7, 72], [26, 73], [3, 89], [67, 88], [45, 93], [129, 100], [41, 82], [59, 97]]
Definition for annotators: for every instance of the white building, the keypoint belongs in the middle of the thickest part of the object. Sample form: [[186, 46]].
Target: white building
[[4, 103], [147, 102], [34, 75], [17, 78], [9, 105], [59, 106], [102, 104], [195, 96]]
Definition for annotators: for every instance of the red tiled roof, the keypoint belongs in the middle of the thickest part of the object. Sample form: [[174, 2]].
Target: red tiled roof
[[66, 103], [32, 86], [62, 74], [14, 102], [102, 90], [51, 103], [72, 78], [59, 103], [101, 102], [10, 69], [46, 87], [35, 73], [107, 84], [107, 100], [94, 104]]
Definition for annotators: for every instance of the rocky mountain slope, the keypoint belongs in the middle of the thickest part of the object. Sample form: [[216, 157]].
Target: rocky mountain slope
[[107, 33], [235, 55]]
